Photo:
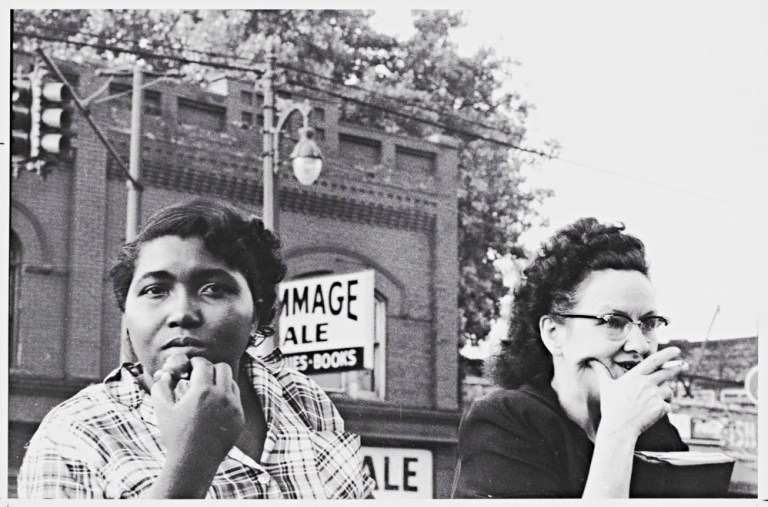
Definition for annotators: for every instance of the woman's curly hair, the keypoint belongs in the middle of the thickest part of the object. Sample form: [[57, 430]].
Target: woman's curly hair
[[549, 284], [241, 242]]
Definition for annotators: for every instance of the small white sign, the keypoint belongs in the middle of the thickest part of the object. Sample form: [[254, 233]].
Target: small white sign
[[326, 322], [750, 384], [399, 473]]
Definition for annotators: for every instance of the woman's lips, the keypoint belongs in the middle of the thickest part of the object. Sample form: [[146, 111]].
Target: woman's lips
[[184, 341]]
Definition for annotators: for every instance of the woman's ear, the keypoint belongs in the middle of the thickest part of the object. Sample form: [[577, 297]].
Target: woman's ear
[[551, 334]]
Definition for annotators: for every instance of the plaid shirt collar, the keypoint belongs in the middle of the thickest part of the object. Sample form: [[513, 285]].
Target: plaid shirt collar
[[123, 384]]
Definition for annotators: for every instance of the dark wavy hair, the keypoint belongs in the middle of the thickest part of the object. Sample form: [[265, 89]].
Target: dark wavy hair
[[240, 241], [548, 285]]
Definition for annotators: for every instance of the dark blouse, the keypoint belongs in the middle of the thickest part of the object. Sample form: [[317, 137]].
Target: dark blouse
[[520, 443]]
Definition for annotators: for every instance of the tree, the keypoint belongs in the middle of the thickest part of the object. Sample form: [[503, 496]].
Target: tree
[[333, 48]]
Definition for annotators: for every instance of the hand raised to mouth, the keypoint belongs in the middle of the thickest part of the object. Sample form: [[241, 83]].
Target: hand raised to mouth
[[179, 367], [640, 397], [203, 423]]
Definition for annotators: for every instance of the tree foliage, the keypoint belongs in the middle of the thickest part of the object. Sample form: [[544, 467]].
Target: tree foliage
[[423, 76]]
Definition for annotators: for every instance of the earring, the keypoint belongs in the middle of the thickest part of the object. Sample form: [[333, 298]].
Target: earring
[[255, 338]]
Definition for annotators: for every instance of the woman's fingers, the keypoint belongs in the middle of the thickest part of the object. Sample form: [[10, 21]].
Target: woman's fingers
[[222, 374], [162, 390], [202, 372], [178, 364], [666, 374], [653, 362], [602, 372]]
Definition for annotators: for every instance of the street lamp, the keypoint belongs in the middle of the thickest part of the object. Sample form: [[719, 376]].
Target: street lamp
[[306, 157]]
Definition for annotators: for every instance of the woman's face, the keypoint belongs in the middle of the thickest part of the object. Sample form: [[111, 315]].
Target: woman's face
[[628, 293], [183, 299]]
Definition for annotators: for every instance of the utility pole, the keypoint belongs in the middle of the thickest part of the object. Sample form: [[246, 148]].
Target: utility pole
[[268, 145], [133, 198], [306, 156], [133, 204]]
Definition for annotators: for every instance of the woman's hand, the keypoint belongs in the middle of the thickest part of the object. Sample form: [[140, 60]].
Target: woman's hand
[[629, 405], [640, 397], [180, 367], [198, 429]]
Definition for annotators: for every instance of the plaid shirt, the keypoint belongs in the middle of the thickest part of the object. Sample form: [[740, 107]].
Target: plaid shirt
[[105, 443]]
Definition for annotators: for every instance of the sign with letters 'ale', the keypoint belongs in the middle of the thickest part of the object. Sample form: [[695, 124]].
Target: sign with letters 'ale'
[[326, 322], [399, 473]]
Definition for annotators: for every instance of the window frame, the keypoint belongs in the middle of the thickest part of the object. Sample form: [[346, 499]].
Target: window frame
[[346, 378], [15, 269]]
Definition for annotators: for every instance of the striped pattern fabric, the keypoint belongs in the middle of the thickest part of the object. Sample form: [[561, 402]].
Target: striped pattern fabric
[[105, 443]]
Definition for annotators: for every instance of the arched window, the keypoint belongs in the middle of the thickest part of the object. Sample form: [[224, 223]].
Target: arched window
[[14, 293]]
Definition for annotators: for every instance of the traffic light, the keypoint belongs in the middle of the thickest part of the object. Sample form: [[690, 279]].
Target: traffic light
[[51, 118], [21, 117]]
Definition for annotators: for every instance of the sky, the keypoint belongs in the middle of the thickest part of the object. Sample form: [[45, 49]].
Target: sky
[[661, 109]]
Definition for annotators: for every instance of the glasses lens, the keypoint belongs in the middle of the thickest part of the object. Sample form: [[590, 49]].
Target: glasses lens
[[651, 324], [618, 325]]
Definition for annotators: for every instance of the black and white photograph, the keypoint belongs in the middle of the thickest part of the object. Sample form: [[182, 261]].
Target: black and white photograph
[[385, 251]]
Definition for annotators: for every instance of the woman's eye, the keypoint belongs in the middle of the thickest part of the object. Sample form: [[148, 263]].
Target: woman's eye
[[153, 291], [214, 289], [616, 322]]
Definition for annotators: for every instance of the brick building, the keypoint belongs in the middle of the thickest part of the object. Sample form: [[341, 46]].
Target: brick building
[[383, 202]]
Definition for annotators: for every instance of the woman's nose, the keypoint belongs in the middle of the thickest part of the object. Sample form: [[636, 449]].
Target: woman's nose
[[637, 341], [183, 310]]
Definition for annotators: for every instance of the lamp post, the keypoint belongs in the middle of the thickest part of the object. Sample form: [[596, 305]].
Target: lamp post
[[306, 157]]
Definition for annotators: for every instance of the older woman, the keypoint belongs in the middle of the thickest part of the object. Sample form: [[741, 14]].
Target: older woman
[[581, 377], [200, 415]]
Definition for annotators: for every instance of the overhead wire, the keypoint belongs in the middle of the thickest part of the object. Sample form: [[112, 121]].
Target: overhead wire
[[302, 71], [384, 95], [138, 52], [652, 183], [362, 102], [184, 60]]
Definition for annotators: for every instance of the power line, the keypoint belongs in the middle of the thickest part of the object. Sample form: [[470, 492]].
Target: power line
[[140, 52], [652, 183], [257, 69], [383, 95], [294, 69], [153, 56], [422, 120], [158, 45]]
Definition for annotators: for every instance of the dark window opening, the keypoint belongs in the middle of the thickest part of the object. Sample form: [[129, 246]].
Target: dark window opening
[[201, 114], [152, 99], [360, 148], [408, 159]]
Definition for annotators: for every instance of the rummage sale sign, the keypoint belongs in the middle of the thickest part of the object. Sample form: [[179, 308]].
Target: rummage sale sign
[[326, 322]]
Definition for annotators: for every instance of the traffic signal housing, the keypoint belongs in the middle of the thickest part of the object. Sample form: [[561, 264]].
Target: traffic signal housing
[[21, 117], [51, 119]]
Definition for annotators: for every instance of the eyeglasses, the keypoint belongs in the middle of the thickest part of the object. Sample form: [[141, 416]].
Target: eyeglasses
[[620, 325]]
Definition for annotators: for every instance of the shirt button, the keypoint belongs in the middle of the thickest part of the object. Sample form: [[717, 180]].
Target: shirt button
[[264, 479]]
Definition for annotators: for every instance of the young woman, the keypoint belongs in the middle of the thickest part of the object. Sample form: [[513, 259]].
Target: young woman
[[581, 377], [200, 415]]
